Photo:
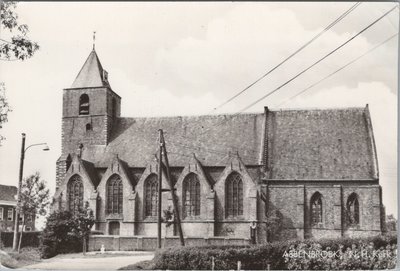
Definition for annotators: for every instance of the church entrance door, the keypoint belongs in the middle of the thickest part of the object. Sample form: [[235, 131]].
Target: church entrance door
[[113, 228]]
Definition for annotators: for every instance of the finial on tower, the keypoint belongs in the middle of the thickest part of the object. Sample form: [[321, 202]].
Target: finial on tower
[[94, 39]]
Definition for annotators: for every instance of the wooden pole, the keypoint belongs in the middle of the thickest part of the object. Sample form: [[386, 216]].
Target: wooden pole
[[174, 199], [159, 193], [21, 169], [22, 231]]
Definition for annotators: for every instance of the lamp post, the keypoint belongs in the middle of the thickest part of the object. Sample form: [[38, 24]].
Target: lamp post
[[21, 169]]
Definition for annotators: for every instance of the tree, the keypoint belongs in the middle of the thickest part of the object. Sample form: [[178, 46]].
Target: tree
[[34, 199], [14, 45], [67, 232], [59, 235], [4, 108], [85, 221], [18, 46]]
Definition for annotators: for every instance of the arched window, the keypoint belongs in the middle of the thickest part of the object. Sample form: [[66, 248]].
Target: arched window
[[316, 209], [114, 195], [353, 210], [234, 195], [75, 194], [151, 195], [191, 195], [88, 127], [84, 105]]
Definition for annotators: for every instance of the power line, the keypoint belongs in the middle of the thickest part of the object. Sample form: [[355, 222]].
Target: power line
[[291, 55], [338, 70], [305, 70], [230, 117], [314, 64]]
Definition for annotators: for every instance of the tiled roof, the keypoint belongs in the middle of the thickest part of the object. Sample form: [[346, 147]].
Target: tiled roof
[[91, 74], [211, 138], [321, 144], [8, 192]]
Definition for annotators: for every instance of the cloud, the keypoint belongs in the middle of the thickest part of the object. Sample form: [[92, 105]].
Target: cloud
[[249, 40]]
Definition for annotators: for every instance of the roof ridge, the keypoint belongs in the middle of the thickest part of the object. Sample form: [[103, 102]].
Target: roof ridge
[[192, 116], [318, 108]]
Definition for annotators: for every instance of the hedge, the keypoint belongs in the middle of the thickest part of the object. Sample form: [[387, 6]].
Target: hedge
[[29, 238], [252, 257]]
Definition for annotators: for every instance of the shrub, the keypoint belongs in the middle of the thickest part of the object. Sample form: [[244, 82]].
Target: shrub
[[360, 256], [59, 235], [67, 232], [259, 256]]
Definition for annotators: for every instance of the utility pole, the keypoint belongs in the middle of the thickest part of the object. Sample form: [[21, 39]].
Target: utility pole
[[21, 168], [174, 199], [159, 191]]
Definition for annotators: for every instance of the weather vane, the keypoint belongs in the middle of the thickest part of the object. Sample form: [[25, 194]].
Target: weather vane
[[94, 38]]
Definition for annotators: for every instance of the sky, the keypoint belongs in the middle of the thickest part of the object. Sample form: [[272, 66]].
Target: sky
[[167, 59]]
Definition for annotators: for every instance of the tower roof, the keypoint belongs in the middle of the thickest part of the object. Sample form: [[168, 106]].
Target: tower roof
[[91, 74]]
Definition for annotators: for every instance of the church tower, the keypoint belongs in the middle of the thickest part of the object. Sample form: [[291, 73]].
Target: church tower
[[90, 110]]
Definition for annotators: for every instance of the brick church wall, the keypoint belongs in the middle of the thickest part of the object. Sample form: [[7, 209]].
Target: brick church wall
[[294, 206]]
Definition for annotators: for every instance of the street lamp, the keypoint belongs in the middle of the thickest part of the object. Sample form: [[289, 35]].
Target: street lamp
[[21, 169]]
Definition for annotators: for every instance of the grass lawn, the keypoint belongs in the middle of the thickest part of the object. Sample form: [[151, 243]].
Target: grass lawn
[[12, 259], [143, 265]]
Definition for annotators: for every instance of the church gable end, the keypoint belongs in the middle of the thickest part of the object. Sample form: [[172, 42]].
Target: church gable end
[[115, 188], [195, 192], [332, 144]]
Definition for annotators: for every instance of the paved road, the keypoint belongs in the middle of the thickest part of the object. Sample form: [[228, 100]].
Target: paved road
[[92, 263]]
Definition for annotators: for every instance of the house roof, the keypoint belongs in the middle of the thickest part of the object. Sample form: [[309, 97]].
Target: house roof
[[8, 193], [212, 138], [321, 144], [91, 73]]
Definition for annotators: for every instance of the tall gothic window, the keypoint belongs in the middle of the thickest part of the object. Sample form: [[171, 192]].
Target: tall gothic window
[[114, 195], [234, 195], [191, 195], [353, 210], [316, 209], [84, 105], [151, 195], [75, 193]]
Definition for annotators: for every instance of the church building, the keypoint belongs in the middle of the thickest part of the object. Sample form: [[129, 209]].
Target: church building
[[314, 172]]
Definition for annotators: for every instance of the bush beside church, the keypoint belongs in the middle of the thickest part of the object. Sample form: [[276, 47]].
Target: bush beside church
[[345, 254]]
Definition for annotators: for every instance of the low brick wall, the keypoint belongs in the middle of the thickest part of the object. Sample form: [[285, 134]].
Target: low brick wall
[[129, 243]]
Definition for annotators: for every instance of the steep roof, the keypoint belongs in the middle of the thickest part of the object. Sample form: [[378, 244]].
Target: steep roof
[[321, 144], [211, 138], [8, 192], [318, 144], [91, 74]]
